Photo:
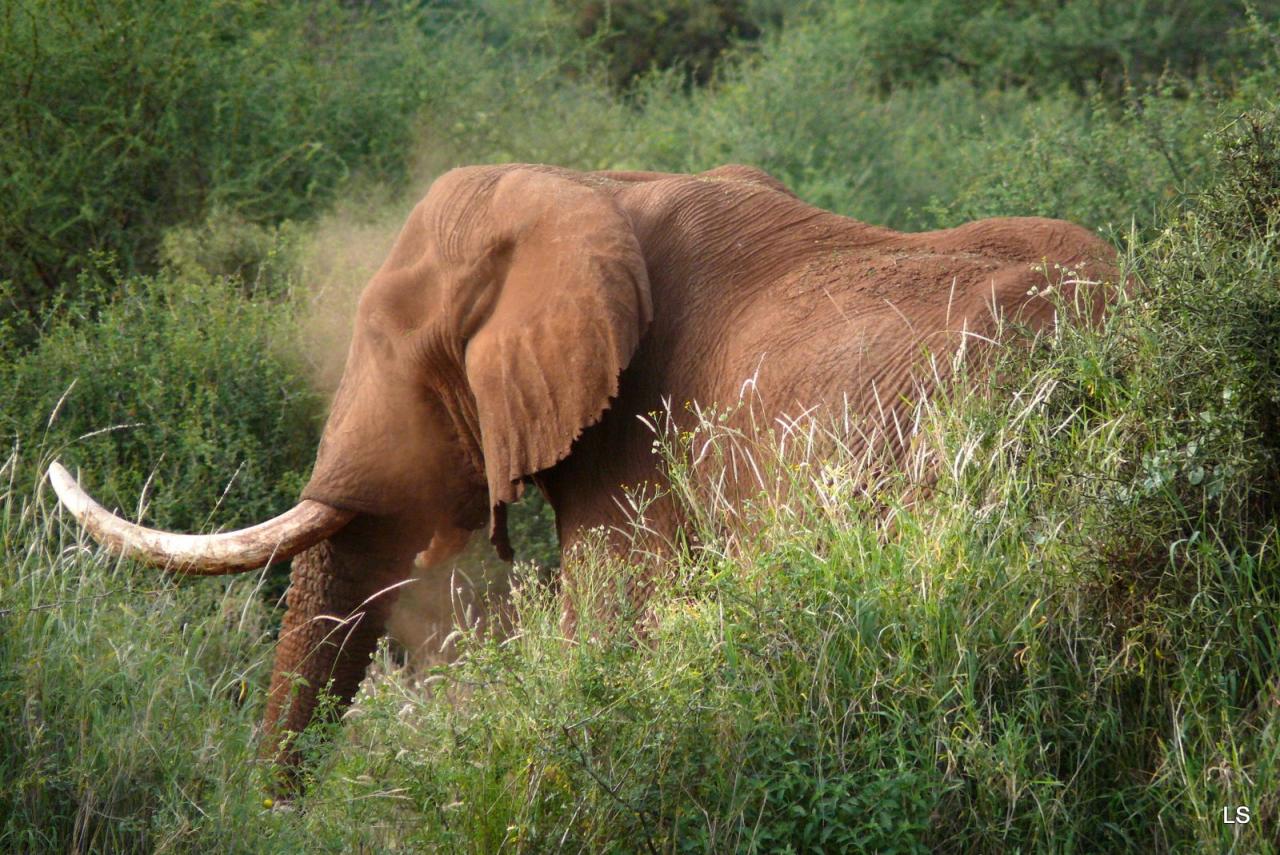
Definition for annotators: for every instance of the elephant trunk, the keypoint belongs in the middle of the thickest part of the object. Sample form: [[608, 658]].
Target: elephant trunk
[[340, 596], [278, 539]]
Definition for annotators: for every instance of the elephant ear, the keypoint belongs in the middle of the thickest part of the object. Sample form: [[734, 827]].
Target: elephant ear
[[571, 304]]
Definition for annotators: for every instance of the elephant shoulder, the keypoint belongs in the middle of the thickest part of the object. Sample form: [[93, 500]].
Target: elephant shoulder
[[736, 172], [746, 175]]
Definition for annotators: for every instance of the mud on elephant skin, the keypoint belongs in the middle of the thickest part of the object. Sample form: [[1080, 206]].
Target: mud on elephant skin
[[524, 319]]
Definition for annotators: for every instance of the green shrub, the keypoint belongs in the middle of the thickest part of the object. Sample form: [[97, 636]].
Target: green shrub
[[1092, 162], [532, 529], [933, 154], [228, 245], [124, 118], [1245, 205], [638, 37], [181, 393], [1044, 46]]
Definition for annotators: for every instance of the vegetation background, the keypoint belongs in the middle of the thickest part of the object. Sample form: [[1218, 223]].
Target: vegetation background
[[1070, 645]]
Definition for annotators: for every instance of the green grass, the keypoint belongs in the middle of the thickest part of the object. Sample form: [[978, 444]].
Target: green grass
[[121, 692]]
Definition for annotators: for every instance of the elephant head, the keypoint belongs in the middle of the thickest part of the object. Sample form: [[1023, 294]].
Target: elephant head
[[491, 337], [527, 315]]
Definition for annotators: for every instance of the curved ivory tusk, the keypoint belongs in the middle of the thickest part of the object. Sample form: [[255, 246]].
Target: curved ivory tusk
[[278, 539]]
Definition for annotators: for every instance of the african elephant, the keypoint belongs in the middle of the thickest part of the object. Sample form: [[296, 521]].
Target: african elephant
[[527, 315]]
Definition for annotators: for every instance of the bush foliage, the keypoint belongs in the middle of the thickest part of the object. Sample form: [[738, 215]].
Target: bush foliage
[[1069, 642], [127, 118], [679, 35], [180, 392], [1078, 44]]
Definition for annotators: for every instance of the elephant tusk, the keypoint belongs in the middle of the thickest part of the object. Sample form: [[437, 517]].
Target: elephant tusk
[[278, 539]]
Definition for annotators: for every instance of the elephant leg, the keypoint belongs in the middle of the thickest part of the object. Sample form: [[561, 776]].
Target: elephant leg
[[338, 604]]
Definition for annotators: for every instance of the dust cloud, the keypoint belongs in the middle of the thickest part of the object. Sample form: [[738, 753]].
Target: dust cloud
[[335, 261], [344, 248]]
